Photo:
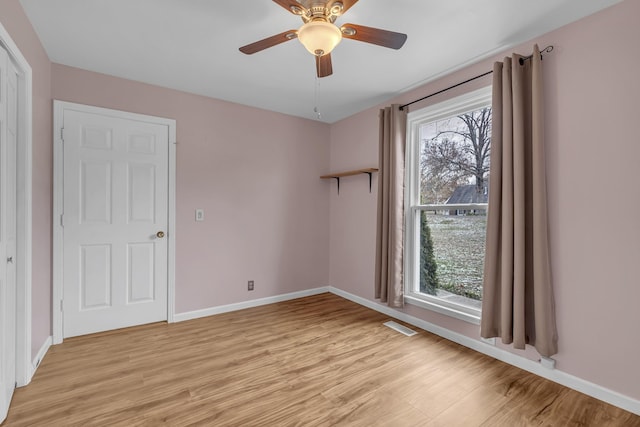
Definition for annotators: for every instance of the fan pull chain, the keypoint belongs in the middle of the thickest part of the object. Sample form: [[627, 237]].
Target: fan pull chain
[[315, 108]]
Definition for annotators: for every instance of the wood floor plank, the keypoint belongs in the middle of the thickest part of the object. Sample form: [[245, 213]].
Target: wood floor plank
[[316, 361]]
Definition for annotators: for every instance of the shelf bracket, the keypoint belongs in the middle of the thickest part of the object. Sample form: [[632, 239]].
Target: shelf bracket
[[337, 178], [369, 173]]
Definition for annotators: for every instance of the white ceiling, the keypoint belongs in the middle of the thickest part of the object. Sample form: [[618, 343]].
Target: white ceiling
[[192, 45]]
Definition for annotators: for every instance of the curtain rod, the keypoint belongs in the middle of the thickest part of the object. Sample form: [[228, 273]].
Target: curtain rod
[[402, 107]]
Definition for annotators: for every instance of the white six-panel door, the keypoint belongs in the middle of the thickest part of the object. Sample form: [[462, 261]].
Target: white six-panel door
[[115, 221], [8, 138]]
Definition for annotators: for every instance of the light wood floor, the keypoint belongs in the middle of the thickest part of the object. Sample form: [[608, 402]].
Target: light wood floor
[[317, 361]]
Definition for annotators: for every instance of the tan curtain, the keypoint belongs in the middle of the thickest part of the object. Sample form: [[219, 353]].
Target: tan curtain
[[390, 230], [517, 301]]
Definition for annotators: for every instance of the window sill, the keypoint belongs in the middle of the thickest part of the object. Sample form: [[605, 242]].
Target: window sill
[[438, 308]]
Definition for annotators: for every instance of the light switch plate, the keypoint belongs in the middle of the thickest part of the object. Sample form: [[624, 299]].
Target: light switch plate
[[199, 214]]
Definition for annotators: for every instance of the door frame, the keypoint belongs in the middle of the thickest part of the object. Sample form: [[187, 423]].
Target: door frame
[[59, 107], [24, 364]]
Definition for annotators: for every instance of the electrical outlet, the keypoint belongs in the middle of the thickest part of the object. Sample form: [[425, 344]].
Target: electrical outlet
[[250, 285], [199, 214]]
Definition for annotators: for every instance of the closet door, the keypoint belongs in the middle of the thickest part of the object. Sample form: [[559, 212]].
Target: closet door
[[8, 138]]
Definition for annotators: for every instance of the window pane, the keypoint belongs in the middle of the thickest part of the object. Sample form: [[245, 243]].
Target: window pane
[[454, 159], [452, 256]]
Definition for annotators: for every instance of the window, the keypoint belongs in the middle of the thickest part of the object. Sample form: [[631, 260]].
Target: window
[[447, 190]]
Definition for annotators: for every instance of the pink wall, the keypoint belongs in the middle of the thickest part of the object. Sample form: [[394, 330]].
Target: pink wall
[[256, 175], [592, 94], [18, 26]]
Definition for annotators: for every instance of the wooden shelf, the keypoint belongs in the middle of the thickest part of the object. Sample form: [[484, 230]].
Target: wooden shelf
[[349, 173], [338, 175]]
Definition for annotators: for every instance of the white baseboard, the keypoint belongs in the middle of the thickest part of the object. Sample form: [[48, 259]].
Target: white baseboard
[[41, 353], [181, 317], [614, 398]]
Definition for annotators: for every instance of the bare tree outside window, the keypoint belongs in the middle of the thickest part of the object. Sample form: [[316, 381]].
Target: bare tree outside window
[[455, 151]]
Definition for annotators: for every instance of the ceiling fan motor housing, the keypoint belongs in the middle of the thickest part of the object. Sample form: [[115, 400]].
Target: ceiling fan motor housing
[[314, 10]]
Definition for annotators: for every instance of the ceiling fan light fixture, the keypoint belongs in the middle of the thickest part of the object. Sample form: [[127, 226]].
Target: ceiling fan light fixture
[[319, 37]]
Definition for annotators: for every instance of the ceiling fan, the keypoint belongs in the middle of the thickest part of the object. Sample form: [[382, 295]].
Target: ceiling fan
[[319, 35]]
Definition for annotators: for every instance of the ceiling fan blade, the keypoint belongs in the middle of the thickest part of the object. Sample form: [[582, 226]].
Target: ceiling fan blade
[[323, 65], [269, 42], [346, 4], [377, 36], [292, 6]]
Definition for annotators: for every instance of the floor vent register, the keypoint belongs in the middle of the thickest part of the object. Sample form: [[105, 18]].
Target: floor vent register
[[400, 328]]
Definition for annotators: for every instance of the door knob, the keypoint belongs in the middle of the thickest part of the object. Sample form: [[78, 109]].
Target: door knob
[[160, 234], [10, 260]]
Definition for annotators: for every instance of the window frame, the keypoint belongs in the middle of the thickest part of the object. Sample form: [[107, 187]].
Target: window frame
[[470, 101]]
